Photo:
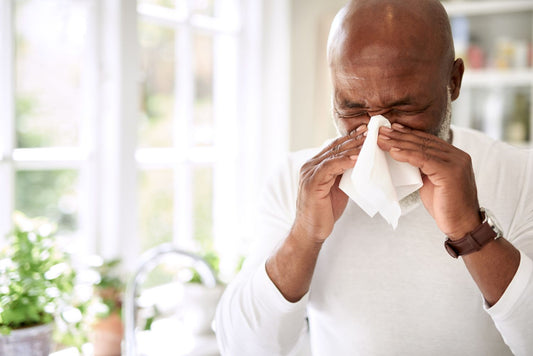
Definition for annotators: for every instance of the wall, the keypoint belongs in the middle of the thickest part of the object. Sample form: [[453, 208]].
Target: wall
[[311, 123]]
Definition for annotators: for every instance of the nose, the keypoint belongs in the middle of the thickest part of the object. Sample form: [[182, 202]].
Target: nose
[[383, 112]]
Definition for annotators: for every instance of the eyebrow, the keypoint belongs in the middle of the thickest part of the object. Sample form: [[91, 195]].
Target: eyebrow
[[353, 105]]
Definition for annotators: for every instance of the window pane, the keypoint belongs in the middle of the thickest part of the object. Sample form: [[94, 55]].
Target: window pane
[[52, 194], [203, 102], [203, 207], [204, 7], [156, 207], [157, 61], [165, 3], [51, 49]]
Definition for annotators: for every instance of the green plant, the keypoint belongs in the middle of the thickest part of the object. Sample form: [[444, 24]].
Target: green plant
[[213, 260], [110, 286], [100, 296], [36, 278]]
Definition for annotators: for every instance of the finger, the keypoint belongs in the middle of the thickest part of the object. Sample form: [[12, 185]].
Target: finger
[[338, 141], [424, 160], [423, 148], [329, 169], [348, 146], [344, 145], [416, 141], [433, 162], [401, 132]]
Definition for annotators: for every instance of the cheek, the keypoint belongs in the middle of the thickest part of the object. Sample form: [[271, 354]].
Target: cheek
[[437, 118], [429, 121], [341, 126]]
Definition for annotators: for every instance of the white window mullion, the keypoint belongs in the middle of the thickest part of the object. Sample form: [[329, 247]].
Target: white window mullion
[[228, 139], [119, 111], [7, 116], [90, 145], [183, 115], [251, 96]]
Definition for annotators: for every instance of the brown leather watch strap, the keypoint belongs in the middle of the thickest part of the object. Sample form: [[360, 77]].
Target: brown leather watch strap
[[472, 242]]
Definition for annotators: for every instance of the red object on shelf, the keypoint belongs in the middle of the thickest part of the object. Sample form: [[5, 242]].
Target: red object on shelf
[[476, 57]]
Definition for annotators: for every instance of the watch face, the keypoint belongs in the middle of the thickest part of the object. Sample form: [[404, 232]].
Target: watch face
[[491, 220]]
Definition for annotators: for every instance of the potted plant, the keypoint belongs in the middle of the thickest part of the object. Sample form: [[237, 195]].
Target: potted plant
[[200, 301], [107, 329], [36, 280], [174, 290]]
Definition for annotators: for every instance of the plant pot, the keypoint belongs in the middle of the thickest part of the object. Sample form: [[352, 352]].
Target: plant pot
[[201, 303], [34, 341], [106, 336]]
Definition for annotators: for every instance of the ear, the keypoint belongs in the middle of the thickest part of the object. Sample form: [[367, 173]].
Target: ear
[[456, 78]]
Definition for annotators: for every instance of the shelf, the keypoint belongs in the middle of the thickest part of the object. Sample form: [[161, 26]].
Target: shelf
[[498, 78], [472, 8]]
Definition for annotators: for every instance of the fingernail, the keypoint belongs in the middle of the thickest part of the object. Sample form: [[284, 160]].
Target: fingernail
[[360, 128], [365, 133], [386, 129], [395, 149], [353, 157], [384, 137], [398, 126]]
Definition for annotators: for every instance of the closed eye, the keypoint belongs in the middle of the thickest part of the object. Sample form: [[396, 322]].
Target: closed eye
[[351, 114], [407, 112]]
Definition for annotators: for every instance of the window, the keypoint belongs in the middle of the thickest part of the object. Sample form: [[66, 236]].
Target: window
[[47, 104], [131, 123], [188, 138], [183, 112]]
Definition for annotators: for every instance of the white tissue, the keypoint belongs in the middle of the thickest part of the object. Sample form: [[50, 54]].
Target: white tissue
[[377, 183]]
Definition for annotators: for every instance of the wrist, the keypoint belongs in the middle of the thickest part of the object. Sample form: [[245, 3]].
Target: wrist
[[466, 226], [487, 231], [303, 238], [307, 232]]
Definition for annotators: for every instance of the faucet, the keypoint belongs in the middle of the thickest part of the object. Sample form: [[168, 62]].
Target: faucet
[[149, 260]]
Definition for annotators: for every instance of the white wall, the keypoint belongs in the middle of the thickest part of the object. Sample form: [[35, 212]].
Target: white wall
[[311, 122]]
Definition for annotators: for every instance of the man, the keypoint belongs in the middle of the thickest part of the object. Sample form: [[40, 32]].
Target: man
[[327, 275]]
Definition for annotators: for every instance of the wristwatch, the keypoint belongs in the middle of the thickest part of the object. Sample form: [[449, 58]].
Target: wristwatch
[[473, 241]]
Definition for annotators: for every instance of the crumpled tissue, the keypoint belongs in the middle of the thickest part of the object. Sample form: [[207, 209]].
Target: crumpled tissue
[[377, 183]]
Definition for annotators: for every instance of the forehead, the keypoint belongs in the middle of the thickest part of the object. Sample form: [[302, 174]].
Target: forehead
[[379, 81]]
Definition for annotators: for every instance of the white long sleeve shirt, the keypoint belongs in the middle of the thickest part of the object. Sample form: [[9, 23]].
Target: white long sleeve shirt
[[379, 291]]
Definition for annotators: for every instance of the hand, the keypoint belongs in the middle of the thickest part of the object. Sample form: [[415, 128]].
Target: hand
[[449, 192], [320, 201]]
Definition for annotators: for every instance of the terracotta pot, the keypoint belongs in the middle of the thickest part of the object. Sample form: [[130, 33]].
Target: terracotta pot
[[106, 336], [34, 341]]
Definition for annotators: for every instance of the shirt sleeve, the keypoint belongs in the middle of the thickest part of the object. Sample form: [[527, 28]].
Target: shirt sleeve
[[253, 317], [513, 313]]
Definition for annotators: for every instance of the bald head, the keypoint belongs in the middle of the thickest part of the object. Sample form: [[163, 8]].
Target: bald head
[[400, 30], [393, 58]]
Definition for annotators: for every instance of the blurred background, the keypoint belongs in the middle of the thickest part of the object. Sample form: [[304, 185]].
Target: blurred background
[[134, 123]]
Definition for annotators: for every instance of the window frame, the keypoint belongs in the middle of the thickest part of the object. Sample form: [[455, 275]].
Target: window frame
[[7, 101], [107, 158], [184, 157]]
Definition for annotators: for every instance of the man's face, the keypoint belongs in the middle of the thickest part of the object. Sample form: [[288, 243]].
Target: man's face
[[411, 93]]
